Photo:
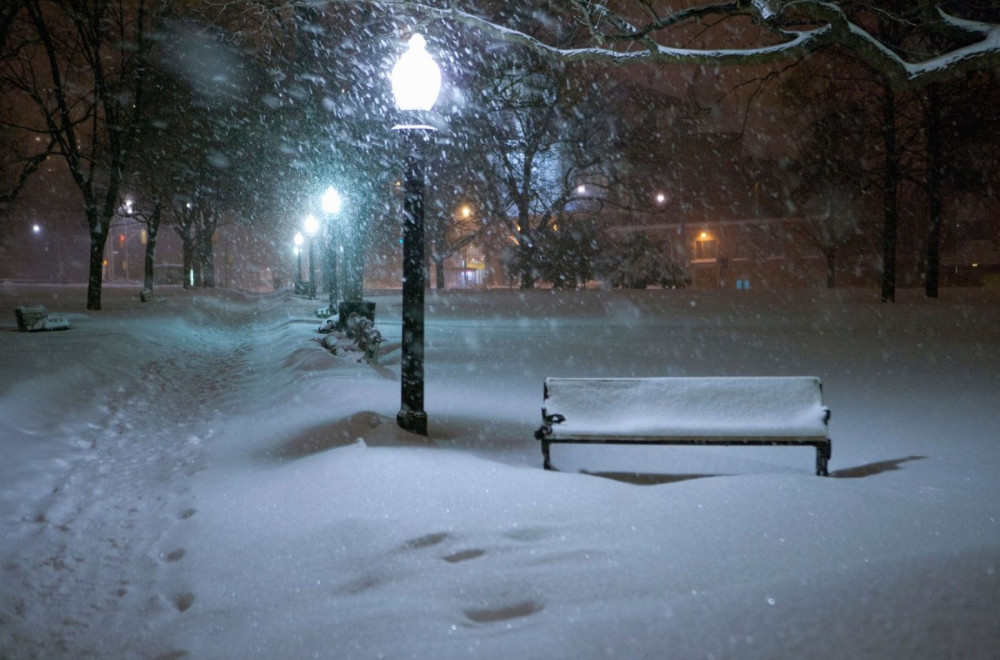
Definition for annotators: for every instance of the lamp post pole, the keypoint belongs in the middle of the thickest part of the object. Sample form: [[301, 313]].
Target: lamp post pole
[[312, 226], [298, 240], [416, 81], [333, 267], [331, 206], [412, 416]]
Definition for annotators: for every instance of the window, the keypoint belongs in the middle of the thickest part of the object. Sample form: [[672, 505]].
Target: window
[[706, 248]]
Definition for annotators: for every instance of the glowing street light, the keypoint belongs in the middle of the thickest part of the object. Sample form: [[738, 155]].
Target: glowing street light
[[416, 78], [416, 82], [330, 201]]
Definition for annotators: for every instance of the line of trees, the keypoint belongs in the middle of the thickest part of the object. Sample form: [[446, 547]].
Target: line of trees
[[250, 111]]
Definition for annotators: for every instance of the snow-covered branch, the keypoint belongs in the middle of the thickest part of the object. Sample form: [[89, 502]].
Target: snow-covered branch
[[636, 31], [796, 43], [983, 52]]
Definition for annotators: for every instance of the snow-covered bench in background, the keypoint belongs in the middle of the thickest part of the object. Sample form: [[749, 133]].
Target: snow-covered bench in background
[[686, 411], [33, 319]]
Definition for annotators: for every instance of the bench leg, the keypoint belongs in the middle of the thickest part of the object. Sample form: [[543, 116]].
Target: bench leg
[[822, 457], [546, 463]]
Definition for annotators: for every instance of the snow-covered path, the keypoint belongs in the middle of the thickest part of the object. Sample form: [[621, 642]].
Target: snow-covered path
[[98, 563], [196, 478]]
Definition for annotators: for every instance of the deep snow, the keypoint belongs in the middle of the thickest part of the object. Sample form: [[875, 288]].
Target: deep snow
[[197, 477]]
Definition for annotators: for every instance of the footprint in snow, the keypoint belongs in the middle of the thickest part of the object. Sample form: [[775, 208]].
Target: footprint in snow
[[503, 613]]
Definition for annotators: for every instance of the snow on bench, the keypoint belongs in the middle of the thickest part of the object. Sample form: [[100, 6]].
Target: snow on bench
[[686, 411], [34, 319]]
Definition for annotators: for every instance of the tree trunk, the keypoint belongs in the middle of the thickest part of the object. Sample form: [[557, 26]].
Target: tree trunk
[[527, 274], [831, 271], [204, 254], [934, 177], [188, 259], [890, 192], [152, 231], [525, 261], [208, 266], [99, 224], [439, 273], [96, 277]]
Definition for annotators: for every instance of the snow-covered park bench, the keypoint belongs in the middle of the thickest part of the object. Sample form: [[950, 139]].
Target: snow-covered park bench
[[785, 411], [33, 319]]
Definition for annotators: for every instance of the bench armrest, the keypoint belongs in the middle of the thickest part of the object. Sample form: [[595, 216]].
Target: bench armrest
[[545, 429]]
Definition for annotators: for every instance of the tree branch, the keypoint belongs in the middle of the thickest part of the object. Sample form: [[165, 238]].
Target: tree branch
[[803, 26]]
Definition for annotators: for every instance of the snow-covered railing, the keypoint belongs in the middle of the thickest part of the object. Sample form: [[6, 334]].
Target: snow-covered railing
[[686, 411]]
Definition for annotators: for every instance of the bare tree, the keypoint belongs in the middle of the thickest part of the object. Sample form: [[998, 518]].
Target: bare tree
[[546, 149], [833, 220], [455, 223], [81, 66], [636, 261]]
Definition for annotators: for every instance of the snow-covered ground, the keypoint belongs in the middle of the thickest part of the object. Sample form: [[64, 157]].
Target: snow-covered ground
[[196, 477]]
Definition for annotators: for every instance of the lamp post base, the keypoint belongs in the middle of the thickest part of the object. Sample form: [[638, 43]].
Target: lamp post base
[[414, 421]]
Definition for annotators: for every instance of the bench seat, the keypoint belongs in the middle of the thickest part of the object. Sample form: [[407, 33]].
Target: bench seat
[[686, 411]]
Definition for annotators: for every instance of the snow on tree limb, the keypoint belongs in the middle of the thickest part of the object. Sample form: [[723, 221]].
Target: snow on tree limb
[[899, 73], [799, 43], [802, 27]]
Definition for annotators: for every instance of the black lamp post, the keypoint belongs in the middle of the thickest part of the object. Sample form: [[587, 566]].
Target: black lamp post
[[298, 240], [416, 81], [311, 226], [331, 207]]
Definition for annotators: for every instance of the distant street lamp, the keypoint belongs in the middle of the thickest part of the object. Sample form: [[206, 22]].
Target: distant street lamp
[[298, 240], [311, 225], [331, 203], [416, 82]]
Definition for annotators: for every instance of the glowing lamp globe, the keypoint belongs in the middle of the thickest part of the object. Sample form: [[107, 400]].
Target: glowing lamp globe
[[331, 201], [416, 78], [311, 225]]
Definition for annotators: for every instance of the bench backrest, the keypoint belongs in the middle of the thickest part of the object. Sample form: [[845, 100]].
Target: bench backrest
[[692, 407]]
